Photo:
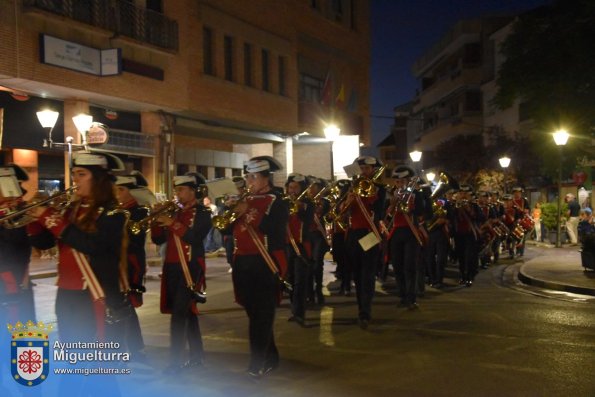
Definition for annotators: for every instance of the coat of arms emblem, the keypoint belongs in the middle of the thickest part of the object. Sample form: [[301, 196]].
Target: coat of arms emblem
[[29, 348]]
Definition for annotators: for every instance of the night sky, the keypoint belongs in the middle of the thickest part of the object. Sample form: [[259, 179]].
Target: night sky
[[402, 30]]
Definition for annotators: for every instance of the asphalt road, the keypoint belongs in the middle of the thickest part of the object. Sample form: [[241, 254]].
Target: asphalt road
[[497, 338]]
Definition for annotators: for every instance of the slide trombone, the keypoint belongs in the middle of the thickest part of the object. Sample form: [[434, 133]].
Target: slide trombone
[[222, 222], [168, 207], [19, 218]]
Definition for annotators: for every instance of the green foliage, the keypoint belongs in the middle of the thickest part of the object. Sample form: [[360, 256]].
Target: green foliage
[[549, 213], [462, 156], [550, 59]]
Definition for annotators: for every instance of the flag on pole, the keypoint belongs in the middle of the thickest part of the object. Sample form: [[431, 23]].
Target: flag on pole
[[340, 99], [325, 94], [352, 103]]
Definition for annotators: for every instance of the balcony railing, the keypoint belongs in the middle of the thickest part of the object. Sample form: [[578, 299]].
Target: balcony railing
[[129, 142], [120, 17]]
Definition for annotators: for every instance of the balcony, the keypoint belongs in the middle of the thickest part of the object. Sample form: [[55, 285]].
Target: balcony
[[120, 17], [129, 142]]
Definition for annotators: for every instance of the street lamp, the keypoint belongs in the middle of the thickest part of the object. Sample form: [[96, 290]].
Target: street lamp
[[415, 156], [504, 163], [331, 133], [560, 137], [430, 176]]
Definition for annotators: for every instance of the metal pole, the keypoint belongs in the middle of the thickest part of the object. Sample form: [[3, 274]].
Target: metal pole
[[558, 244]]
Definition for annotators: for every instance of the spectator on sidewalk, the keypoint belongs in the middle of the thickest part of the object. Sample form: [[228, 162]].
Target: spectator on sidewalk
[[572, 214], [537, 221], [585, 225], [213, 241]]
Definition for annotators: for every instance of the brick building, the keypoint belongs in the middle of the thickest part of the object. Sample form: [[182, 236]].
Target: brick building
[[184, 85]]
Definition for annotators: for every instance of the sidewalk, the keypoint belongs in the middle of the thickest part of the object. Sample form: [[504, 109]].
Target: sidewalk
[[554, 268], [558, 269]]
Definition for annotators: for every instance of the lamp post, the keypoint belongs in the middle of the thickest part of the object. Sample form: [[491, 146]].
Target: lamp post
[[331, 133], [415, 157], [47, 119], [560, 137], [504, 163]]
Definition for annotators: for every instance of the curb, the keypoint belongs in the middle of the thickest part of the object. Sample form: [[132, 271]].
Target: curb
[[524, 278]]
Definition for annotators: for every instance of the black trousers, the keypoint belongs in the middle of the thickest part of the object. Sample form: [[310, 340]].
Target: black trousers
[[436, 253], [298, 271], [184, 326], [467, 249], [344, 266], [404, 250], [257, 289], [319, 248], [364, 271]]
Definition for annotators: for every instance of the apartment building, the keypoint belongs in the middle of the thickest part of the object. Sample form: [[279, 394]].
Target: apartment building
[[451, 74], [185, 85]]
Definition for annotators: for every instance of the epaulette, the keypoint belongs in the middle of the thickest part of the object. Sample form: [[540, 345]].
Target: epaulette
[[115, 211]]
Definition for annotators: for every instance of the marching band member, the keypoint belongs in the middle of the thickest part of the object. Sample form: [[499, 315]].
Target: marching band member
[[184, 269], [16, 293], [498, 209], [259, 260], [229, 203], [299, 250], [318, 240], [511, 214], [344, 269], [466, 217], [89, 233], [522, 205], [436, 251], [405, 241], [487, 232], [137, 265], [365, 261]]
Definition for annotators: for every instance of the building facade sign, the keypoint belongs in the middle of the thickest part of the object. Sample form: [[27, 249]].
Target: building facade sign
[[81, 58]]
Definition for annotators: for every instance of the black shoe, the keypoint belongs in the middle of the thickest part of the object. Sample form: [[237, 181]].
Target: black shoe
[[363, 323], [297, 319], [462, 281], [320, 298], [469, 283], [347, 293], [193, 363], [413, 306]]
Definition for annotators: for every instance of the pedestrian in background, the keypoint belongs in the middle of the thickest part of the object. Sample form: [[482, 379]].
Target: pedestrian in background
[[572, 214]]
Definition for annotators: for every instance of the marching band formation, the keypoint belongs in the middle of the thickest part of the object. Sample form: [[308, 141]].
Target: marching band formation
[[275, 241]]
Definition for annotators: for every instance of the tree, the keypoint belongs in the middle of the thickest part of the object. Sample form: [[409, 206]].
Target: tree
[[462, 156], [549, 67]]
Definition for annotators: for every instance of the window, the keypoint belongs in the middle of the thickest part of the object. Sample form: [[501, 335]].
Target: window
[[228, 57], [219, 172], [473, 101], [310, 88], [265, 70], [207, 52], [236, 172], [282, 76], [337, 9], [248, 64]]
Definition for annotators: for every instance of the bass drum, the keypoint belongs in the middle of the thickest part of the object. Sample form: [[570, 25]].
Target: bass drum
[[527, 223]]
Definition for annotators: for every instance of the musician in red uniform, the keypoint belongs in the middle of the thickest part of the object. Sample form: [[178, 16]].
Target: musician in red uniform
[[522, 205], [259, 260], [365, 260], [318, 239], [299, 249], [466, 218], [510, 216], [16, 293], [406, 207], [137, 266], [89, 233], [184, 269]]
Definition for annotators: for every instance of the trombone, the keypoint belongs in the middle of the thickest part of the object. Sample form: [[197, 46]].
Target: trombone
[[294, 206], [19, 218], [168, 207], [222, 222]]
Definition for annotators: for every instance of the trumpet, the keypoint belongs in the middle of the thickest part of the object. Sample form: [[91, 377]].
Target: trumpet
[[362, 186], [168, 207], [294, 205], [19, 218], [222, 222]]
